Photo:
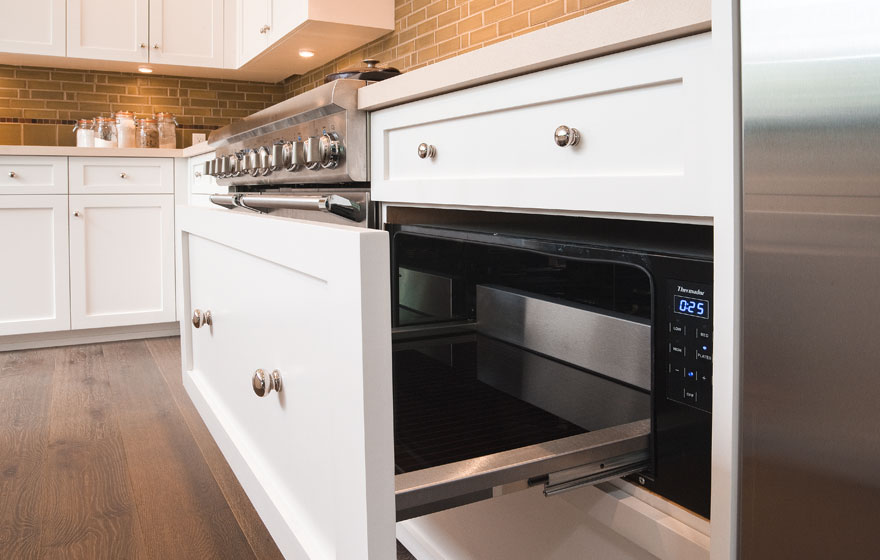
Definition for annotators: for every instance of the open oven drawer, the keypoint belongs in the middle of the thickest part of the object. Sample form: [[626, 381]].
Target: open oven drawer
[[319, 459]]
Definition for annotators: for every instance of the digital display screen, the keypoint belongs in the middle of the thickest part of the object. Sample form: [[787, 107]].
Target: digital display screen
[[691, 306]]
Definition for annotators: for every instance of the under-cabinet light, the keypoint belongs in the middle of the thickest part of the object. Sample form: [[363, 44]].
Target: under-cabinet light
[[306, 53], [145, 69]]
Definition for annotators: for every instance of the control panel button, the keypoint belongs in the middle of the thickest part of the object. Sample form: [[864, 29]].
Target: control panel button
[[703, 334], [691, 374], [676, 371], [677, 328], [691, 396], [677, 349]]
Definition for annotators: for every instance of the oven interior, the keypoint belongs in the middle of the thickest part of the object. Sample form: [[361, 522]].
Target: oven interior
[[515, 330]]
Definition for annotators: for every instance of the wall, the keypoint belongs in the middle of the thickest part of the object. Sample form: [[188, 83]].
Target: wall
[[428, 31], [39, 106]]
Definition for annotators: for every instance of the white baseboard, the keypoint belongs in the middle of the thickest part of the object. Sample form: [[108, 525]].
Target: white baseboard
[[87, 336]]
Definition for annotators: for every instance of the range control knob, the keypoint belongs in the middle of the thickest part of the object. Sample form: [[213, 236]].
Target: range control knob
[[277, 161], [222, 167], [249, 163], [294, 156], [331, 150], [264, 163], [233, 165], [207, 167], [312, 152]]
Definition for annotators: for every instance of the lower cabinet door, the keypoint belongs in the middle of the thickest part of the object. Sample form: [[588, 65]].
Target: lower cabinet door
[[306, 304], [121, 260], [34, 289]]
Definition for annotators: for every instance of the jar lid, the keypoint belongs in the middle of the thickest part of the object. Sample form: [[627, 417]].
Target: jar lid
[[164, 115], [105, 119], [148, 121], [84, 121], [125, 114]]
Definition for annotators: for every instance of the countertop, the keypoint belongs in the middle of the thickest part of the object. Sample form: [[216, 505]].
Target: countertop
[[634, 23], [191, 151]]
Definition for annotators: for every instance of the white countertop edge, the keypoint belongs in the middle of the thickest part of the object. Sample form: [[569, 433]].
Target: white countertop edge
[[73, 151], [632, 24]]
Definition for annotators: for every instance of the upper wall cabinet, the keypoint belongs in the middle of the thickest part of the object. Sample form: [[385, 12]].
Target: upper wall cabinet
[[34, 27], [108, 29], [271, 33], [184, 33]]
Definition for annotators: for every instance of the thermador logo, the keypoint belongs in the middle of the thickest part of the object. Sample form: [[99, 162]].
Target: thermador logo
[[691, 292]]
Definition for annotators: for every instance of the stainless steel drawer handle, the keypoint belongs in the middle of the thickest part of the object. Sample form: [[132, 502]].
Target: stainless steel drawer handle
[[427, 151], [12, 174], [265, 383], [201, 319], [565, 136]]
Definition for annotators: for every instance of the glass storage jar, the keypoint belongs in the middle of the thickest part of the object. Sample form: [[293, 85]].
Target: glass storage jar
[[105, 132], [167, 130], [148, 133], [125, 129], [85, 133]]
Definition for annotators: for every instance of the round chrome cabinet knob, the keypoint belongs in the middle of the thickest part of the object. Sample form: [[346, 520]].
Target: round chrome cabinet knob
[[264, 383], [76, 214], [565, 136], [427, 151], [12, 174], [331, 150], [202, 318]]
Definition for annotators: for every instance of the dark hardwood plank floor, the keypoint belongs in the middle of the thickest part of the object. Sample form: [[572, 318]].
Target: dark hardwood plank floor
[[102, 455]]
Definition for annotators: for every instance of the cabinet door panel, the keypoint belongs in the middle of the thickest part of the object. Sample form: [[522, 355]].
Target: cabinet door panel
[[253, 28], [34, 290], [122, 260], [108, 29], [187, 33], [311, 301], [33, 175], [113, 175], [35, 27]]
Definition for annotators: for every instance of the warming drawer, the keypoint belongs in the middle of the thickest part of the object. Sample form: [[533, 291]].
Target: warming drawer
[[368, 428]]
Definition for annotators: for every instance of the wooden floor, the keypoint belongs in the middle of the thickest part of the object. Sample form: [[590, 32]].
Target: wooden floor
[[102, 455]]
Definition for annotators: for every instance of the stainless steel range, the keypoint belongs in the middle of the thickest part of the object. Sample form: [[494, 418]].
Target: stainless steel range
[[308, 153]]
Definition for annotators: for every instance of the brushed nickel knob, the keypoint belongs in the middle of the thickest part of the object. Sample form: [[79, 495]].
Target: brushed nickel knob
[[143, 45], [265, 29], [264, 383], [198, 174], [12, 174], [123, 176], [202, 318], [76, 214], [156, 46], [427, 151], [565, 136]]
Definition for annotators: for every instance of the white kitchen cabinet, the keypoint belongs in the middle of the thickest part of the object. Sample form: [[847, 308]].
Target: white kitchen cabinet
[[114, 175], [186, 33], [34, 289], [272, 32], [643, 117], [33, 175], [121, 260], [310, 301], [108, 29], [254, 23], [34, 27]]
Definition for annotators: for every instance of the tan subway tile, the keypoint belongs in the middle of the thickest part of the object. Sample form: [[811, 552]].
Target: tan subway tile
[[424, 42], [77, 87], [55, 95], [10, 134], [163, 82], [483, 34], [449, 17], [66, 135], [448, 47], [12, 83], [204, 94], [99, 108], [259, 97], [513, 24], [230, 96], [254, 105], [525, 5], [406, 48], [604, 5], [194, 84], [7, 72], [9, 92], [27, 103], [165, 101], [545, 13], [249, 88], [96, 97], [436, 8], [43, 84], [427, 26], [39, 135], [9, 113], [445, 33], [62, 105], [479, 5], [416, 18], [565, 17], [33, 74], [68, 76], [107, 88], [469, 24], [498, 13], [427, 54], [122, 80]]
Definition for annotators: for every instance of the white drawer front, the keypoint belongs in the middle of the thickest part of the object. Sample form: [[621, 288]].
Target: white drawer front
[[642, 116], [199, 182], [33, 175], [107, 175], [316, 459]]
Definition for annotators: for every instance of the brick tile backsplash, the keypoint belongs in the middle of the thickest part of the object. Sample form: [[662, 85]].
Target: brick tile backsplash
[[38, 106]]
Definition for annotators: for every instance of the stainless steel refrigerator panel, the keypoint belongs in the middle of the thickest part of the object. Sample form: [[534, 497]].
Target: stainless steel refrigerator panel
[[811, 280]]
